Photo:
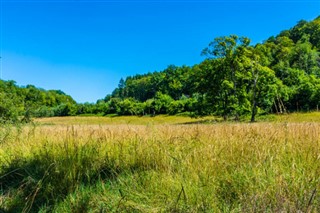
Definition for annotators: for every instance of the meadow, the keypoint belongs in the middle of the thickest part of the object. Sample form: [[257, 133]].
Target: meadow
[[161, 164]]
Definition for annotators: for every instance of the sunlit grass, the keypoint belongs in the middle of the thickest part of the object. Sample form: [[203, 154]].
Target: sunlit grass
[[299, 117], [164, 119], [136, 120], [239, 167]]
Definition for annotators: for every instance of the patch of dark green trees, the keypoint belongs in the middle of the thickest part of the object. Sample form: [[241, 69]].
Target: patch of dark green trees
[[235, 80]]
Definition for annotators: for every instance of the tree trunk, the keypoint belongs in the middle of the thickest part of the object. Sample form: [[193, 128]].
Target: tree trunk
[[254, 102], [254, 112]]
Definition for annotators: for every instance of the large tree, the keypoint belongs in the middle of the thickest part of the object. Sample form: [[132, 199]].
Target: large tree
[[228, 51]]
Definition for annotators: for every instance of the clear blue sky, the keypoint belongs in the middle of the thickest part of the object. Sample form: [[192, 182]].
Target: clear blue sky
[[85, 47]]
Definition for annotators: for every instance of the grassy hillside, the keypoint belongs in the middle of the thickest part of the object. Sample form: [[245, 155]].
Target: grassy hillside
[[74, 166]]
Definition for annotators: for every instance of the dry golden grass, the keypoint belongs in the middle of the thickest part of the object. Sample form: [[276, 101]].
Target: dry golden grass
[[239, 167], [132, 120]]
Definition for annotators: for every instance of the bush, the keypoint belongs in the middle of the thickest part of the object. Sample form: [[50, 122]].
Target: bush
[[64, 110], [44, 112]]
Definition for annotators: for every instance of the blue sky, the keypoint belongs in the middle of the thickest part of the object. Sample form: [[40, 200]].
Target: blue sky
[[85, 47]]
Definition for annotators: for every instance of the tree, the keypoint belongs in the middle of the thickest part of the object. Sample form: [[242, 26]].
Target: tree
[[258, 78], [8, 109], [227, 51], [264, 87], [162, 103], [306, 58], [127, 107], [121, 87]]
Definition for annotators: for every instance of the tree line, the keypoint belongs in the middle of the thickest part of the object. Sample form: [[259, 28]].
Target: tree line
[[19, 104], [236, 79], [279, 75]]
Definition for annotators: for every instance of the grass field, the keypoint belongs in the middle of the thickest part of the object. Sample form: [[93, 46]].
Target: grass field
[[161, 164], [128, 120]]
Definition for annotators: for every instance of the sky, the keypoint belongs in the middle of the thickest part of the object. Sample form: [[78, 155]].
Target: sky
[[85, 47]]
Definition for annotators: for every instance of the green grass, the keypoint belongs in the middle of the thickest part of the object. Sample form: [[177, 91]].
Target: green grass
[[299, 117], [165, 119], [82, 165]]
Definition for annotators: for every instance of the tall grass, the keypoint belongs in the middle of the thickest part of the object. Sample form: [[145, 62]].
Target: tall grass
[[226, 167]]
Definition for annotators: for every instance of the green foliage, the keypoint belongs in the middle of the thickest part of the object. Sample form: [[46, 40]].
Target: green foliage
[[127, 107], [237, 79], [21, 103]]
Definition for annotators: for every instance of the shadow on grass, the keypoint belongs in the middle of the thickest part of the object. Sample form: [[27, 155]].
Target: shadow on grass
[[205, 121], [31, 185]]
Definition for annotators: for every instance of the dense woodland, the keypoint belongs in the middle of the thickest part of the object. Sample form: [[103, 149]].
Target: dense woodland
[[236, 79], [22, 103]]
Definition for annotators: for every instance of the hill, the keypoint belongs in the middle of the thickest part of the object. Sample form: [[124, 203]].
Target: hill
[[20, 103], [237, 78]]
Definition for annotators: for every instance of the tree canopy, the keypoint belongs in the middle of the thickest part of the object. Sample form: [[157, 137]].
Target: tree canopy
[[235, 79], [21, 103]]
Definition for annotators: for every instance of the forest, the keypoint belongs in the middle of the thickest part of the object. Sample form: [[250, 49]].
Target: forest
[[236, 79]]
